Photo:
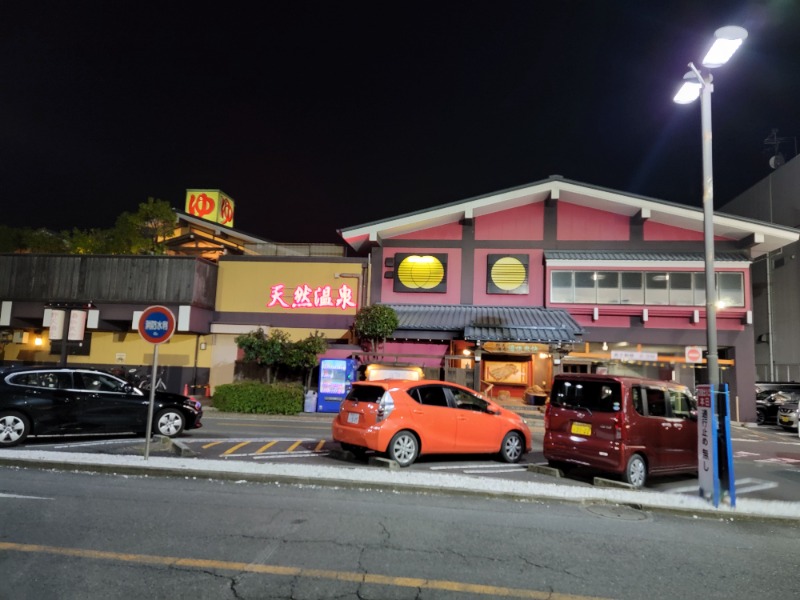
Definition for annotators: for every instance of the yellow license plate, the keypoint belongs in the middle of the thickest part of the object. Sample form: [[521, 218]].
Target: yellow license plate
[[581, 429], [784, 419]]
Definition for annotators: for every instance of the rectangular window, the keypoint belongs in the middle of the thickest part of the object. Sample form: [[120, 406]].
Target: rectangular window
[[730, 289], [561, 287], [585, 287], [607, 287], [632, 291], [680, 289], [699, 280], [656, 288]]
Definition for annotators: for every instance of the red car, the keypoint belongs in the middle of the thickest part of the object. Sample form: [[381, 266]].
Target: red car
[[405, 419], [624, 425]]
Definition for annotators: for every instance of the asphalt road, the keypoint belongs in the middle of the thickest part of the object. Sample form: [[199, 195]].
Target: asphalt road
[[83, 536]]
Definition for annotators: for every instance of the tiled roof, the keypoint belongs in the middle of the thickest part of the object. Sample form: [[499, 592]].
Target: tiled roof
[[491, 323], [639, 255]]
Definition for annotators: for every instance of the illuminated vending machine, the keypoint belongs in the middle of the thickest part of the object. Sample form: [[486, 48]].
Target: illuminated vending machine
[[336, 375]]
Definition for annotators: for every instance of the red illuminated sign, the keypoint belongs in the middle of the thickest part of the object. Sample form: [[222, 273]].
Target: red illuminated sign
[[304, 296]]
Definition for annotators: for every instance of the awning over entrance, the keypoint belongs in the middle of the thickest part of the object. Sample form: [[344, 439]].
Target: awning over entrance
[[491, 323]]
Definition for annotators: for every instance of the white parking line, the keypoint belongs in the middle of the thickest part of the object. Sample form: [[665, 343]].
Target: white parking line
[[23, 497], [743, 486]]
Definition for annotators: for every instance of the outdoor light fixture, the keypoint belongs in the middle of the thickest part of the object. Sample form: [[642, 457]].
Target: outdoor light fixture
[[727, 41], [696, 84]]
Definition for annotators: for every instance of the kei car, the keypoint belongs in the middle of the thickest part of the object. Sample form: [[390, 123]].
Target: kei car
[[623, 425], [36, 401], [404, 419]]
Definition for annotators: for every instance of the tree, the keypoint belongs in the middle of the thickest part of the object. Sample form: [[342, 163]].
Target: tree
[[142, 232], [304, 354], [375, 323], [268, 351]]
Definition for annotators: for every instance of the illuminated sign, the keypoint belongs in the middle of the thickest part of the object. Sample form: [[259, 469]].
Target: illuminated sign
[[420, 273], [510, 348], [211, 205], [304, 296], [507, 274]]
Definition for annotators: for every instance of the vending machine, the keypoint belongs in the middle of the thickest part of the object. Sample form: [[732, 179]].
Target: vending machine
[[336, 375]]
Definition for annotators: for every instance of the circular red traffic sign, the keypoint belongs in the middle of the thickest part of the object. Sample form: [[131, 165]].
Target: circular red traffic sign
[[694, 354], [157, 324]]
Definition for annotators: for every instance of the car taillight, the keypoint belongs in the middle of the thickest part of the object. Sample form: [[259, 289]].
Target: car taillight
[[385, 407], [618, 429]]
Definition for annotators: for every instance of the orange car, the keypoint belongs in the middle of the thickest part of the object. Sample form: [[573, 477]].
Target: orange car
[[405, 419]]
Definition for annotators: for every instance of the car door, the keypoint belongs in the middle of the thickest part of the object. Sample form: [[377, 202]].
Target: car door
[[657, 428], [672, 438], [477, 430], [48, 398], [433, 419], [108, 405], [683, 416]]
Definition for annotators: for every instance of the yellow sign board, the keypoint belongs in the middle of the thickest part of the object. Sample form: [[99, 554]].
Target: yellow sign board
[[212, 205], [511, 347]]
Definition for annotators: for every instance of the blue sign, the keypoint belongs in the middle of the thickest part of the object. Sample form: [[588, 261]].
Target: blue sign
[[157, 324]]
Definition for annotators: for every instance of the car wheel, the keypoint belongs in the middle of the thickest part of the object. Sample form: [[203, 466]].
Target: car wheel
[[404, 448], [761, 416], [636, 471], [14, 428], [512, 448], [169, 422]]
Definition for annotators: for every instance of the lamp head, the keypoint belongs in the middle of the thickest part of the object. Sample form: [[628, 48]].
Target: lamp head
[[727, 41], [690, 90]]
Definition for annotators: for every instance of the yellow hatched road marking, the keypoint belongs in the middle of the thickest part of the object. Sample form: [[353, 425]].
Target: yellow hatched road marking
[[234, 448], [295, 445], [387, 580], [265, 447], [319, 446], [211, 445]]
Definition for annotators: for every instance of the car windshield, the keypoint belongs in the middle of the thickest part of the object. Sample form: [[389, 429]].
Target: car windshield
[[594, 396]]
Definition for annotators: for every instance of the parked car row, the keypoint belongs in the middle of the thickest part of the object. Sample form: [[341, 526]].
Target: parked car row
[[37, 401]]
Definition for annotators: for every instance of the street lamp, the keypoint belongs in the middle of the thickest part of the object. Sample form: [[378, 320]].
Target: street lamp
[[697, 84]]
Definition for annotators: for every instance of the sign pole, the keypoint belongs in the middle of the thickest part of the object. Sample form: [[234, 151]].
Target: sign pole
[[153, 376], [156, 325]]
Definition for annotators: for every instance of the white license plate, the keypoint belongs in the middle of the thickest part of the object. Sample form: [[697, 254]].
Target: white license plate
[[352, 418]]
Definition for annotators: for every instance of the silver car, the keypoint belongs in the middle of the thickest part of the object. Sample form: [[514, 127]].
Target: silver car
[[788, 415]]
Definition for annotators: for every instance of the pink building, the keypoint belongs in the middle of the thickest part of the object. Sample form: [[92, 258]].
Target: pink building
[[509, 288]]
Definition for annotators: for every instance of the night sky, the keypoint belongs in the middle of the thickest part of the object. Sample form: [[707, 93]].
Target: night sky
[[317, 116]]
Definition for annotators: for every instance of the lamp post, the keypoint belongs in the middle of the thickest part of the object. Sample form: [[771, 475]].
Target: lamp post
[[697, 84]]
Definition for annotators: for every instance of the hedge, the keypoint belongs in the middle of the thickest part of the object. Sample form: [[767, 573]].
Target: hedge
[[254, 397]]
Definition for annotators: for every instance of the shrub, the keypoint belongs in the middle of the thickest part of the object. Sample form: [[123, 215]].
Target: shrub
[[254, 397]]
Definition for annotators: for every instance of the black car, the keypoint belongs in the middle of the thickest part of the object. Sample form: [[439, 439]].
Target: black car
[[770, 396], [52, 401]]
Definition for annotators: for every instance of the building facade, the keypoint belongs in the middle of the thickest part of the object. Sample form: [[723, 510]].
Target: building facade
[[775, 275], [563, 276]]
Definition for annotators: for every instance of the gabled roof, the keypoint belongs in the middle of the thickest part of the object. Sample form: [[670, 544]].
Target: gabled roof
[[491, 323], [761, 237]]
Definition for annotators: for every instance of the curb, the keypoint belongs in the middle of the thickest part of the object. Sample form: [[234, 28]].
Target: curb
[[386, 477]]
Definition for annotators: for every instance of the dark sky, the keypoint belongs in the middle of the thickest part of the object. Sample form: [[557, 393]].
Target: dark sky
[[316, 116]]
